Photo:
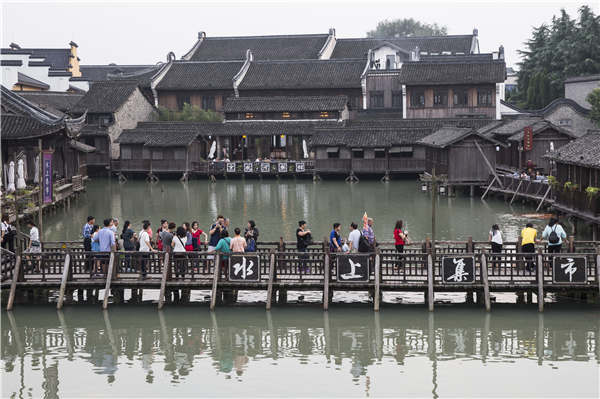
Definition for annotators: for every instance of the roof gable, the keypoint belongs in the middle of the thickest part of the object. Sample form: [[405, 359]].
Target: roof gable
[[431, 73], [447, 136], [106, 97], [210, 75], [584, 151]]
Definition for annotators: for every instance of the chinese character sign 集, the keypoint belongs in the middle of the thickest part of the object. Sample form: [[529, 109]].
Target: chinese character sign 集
[[458, 269]]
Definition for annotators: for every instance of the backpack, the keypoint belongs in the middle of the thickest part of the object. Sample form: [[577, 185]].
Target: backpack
[[553, 237], [363, 244]]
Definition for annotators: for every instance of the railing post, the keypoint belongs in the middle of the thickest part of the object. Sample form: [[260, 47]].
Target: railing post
[[13, 283], [484, 277], [163, 282], [377, 281], [430, 295], [63, 282], [540, 276], [109, 274], [598, 268], [271, 277], [327, 273], [216, 275]]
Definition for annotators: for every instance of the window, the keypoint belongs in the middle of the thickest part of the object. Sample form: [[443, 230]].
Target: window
[[157, 155], [358, 153], [440, 98], [417, 99], [461, 98], [379, 152], [401, 152], [397, 99], [324, 114], [208, 103], [125, 152], [179, 153], [565, 122], [484, 98], [146, 153], [376, 100], [285, 115], [249, 115], [333, 152], [390, 61], [181, 100]]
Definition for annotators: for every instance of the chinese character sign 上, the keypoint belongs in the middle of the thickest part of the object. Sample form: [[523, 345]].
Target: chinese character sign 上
[[353, 268]]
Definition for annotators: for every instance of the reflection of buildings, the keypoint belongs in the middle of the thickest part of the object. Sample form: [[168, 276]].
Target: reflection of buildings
[[181, 342]]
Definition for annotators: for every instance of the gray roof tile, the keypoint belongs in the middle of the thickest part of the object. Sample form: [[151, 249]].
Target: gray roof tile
[[190, 75], [281, 104]]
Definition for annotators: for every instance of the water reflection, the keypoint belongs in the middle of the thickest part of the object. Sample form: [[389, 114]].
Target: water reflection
[[351, 347]]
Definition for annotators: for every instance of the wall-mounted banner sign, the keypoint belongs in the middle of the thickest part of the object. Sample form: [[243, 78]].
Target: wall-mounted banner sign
[[244, 268], [230, 167], [569, 269], [353, 268], [47, 177], [300, 167], [282, 167], [248, 167], [458, 269]]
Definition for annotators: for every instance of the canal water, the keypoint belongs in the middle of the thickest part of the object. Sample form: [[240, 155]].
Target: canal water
[[278, 205], [300, 352]]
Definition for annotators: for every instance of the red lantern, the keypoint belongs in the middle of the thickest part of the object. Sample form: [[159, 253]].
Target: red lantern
[[527, 138]]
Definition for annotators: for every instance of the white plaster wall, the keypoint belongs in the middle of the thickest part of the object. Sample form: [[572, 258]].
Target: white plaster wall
[[381, 54]]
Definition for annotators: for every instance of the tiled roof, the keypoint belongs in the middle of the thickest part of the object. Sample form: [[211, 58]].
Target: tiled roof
[[96, 73], [585, 151], [512, 126], [281, 104], [429, 73], [540, 127], [105, 97], [11, 63], [359, 48], [190, 75], [94, 131], [285, 47], [56, 58], [158, 138], [432, 123], [26, 80], [303, 74], [57, 102], [449, 135]]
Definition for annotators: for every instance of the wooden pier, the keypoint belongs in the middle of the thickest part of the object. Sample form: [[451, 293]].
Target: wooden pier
[[65, 270]]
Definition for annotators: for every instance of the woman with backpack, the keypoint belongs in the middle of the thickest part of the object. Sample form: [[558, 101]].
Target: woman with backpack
[[251, 236], [554, 233]]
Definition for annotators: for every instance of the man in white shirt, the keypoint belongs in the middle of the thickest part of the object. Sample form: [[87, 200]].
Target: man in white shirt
[[353, 237], [145, 246]]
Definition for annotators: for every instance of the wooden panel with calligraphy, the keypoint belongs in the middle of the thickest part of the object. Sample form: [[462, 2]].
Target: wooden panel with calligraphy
[[569, 269], [353, 268], [458, 269], [527, 138], [244, 267]]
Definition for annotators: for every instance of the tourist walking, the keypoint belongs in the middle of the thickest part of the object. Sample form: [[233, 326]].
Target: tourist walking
[[353, 238], [251, 235], [217, 228], [303, 238], [528, 240], [106, 243], [335, 241], [87, 233], [35, 246], [399, 240], [224, 247], [555, 234], [8, 234], [238, 243], [145, 246], [369, 233]]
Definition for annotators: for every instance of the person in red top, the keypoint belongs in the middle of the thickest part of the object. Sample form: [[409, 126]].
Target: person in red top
[[399, 239], [197, 234], [164, 226]]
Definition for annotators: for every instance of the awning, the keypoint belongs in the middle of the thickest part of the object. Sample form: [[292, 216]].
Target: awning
[[396, 150], [357, 149], [333, 149], [79, 146], [379, 149]]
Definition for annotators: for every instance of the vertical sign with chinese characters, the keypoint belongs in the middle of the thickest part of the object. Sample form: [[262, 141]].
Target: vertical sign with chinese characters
[[569, 269], [527, 138], [353, 268], [458, 269], [244, 268], [47, 177]]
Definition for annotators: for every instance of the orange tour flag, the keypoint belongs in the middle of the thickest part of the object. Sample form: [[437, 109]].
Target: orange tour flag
[[365, 218]]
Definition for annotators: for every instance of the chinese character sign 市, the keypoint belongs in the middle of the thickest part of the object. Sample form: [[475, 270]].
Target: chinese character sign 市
[[569, 269]]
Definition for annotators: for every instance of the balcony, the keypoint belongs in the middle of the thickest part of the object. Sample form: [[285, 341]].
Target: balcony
[[449, 112]]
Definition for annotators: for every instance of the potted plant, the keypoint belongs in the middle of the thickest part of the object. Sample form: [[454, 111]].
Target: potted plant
[[592, 192]]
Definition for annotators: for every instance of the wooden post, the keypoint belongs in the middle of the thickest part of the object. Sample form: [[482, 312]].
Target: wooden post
[[163, 282], [13, 283], [488, 163], [598, 269], [433, 196], [430, 295], [572, 245], [41, 187], [271, 278], [213, 296], [486, 287], [516, 191], [109, 275], [326, 283], [540, 275], [377, 282], [543, 198], [63, 282]]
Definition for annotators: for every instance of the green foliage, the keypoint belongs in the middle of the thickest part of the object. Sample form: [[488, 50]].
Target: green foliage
[[594, 99], [592, 192], [561, 49], [406, 27], [553, 182], [189, 113]]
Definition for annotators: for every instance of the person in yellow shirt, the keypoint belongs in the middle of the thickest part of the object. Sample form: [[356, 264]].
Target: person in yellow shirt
[[528, 240]]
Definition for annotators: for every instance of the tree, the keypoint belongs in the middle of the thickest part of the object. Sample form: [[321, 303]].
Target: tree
[[559, 50], [406, 27], [594, 99], [190, 113]]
